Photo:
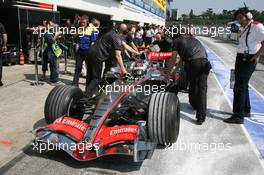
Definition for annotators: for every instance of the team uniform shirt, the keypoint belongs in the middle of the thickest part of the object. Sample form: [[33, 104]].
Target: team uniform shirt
[[52, 48], [129, 38], [189, 48], [255, 38], [164, 45], [105, 47], [87, 36]]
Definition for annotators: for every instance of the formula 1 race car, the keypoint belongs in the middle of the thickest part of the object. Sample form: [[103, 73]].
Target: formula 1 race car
[[130, 116]]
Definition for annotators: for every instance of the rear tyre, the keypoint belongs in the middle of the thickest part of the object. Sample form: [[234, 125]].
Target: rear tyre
[[164, 118], [63, 100]]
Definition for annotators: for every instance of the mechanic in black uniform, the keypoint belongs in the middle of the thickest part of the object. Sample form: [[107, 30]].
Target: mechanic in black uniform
[[129, 47], [130, 37], [193, 53], [3, 48], [163, 42], [108, 46]]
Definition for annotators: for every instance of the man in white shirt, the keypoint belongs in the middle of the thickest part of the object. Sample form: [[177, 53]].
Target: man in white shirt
[[250, 48]]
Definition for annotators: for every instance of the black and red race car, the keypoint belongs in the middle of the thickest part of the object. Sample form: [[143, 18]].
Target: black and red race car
[[131, 116]]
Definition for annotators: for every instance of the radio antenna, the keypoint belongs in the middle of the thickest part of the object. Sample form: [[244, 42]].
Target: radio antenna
[[245, 4]]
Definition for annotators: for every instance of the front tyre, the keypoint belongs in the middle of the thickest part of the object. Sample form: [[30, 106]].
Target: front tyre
[[164, 118], [63, 100]]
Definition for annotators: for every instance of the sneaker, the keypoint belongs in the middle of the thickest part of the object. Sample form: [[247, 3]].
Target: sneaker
[[1, 83], [56, 83], [234, 120]]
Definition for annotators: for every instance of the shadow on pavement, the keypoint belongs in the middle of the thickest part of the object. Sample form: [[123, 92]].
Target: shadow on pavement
[[31, 77], [186, 108], [103, 164], [211, 113], [188, 119]]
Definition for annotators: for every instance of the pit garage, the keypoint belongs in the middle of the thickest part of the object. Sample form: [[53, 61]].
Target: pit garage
[[20, 17], [68, 13]]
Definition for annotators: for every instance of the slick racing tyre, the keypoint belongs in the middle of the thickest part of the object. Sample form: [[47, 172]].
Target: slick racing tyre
[[63, 100], [163, 118], [183, 81]]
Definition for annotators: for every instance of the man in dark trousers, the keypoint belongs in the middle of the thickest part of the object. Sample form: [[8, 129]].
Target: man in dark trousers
[[51, 54], [107, 47], [87, 35], [193, 53], [3, 48], [250, 48]]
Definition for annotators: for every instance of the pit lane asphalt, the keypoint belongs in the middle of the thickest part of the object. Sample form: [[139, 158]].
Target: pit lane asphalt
[[234, 156]]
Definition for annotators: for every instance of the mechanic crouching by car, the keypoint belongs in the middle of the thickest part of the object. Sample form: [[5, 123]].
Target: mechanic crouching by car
[[108, 46], [3, 48], [87, 35], [192, 52], [250, 48]]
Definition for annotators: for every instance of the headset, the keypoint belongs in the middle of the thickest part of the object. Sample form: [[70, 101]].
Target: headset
[[249, 15], [244, 11]]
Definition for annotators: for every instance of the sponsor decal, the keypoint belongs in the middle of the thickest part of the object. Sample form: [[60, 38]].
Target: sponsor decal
[[123, 130], [73, 123], [161, 3], [160, 55]]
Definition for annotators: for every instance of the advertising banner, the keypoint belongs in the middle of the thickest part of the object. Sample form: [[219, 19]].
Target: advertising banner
[[161, 4]]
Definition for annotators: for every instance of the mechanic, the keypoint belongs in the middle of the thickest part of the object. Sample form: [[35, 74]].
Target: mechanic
[[68, 38], [3, 48], [139, 36], [130, 37], [250, 48], [129, 43], [87, 35], [193, 53], [163, 42], [51, 53], [107, 46]]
